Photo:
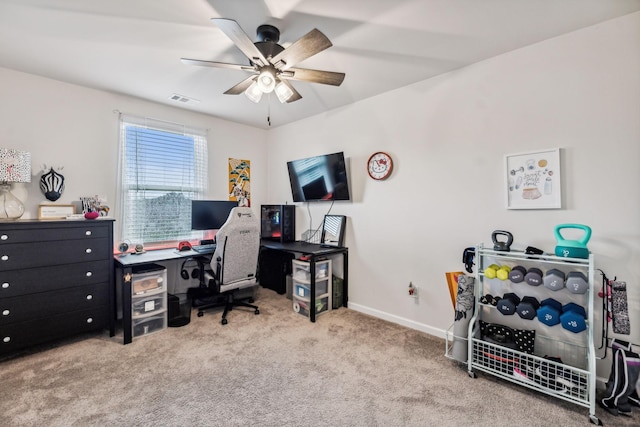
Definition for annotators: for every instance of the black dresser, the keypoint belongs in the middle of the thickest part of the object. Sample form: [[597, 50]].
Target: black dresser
[[56, 280]]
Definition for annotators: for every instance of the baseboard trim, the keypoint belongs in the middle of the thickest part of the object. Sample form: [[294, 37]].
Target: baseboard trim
[[440, 333]]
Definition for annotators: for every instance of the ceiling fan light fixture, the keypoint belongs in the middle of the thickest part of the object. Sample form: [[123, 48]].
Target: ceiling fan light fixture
[[283, 92], [266, 81], [254, 93]]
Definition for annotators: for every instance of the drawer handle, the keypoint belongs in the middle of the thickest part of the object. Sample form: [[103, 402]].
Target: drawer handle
[[89, 297], [5, 257], [4, 237], [89, 274], [87, 233], [5, 285], [6, 339], [90, 320], [5, 312], [88, 250]]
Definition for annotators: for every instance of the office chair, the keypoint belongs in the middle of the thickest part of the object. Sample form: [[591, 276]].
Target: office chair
[[234, 262]]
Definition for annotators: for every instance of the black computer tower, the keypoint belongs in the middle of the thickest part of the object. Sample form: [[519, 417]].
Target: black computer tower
[[278, 223], [273, 268]]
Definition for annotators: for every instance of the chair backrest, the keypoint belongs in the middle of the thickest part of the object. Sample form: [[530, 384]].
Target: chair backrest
[[238, 246]]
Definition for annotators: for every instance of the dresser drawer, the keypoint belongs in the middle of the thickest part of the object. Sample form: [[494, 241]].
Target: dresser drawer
[[43, 232], [27, 255], [23, 334], [21, 282], [46, 304]]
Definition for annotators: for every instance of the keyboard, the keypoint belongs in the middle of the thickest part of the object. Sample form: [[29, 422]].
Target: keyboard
[[205, 248]]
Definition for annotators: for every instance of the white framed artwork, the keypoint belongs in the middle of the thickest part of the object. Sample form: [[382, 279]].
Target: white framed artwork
[[533, 180]]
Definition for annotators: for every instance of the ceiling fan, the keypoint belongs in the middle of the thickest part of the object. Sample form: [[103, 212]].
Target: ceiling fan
[[272, 66]]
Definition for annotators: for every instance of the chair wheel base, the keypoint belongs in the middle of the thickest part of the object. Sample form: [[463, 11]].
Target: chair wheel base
[[224, 321], [257, 311], [200, 314]]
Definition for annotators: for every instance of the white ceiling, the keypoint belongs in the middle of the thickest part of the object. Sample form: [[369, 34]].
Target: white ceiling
[[134, 46]]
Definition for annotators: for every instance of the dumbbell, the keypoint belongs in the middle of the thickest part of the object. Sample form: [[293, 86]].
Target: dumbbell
[[527, 308], [495, 270], [573, 317], [503, 272], [549, 312], [489, 299], [516, 275], [508, 303], [533, 276], [491, 271], [554, 279], [577, 282]]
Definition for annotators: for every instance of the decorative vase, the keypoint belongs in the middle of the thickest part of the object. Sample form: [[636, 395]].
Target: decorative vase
[[10, 206]]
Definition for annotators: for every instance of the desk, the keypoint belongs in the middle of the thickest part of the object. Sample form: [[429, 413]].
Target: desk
[[314, 251], [124, 265]]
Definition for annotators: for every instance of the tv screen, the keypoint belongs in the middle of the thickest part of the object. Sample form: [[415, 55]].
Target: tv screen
[[319, 178], [210, 214]]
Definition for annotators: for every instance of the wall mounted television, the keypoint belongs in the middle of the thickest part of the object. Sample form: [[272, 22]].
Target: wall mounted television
[[319, 178]]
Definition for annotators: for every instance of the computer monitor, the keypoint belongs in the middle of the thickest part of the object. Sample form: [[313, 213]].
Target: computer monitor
[[210, 214]]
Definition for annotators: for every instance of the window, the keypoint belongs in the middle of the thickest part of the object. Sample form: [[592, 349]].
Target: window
[[163, 166]]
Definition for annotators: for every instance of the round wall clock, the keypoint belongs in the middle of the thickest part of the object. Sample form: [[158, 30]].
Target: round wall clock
[[380, 165]]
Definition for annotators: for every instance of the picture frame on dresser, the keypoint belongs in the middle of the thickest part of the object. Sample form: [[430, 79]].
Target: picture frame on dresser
[[55, 211]]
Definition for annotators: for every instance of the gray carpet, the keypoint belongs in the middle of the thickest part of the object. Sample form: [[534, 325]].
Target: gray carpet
[[274, 369]]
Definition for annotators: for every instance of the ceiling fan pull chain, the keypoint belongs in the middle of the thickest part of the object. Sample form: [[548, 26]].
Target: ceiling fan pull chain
[[269, 109]]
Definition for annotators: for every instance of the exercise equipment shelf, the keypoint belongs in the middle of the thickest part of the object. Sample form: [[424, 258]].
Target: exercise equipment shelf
[[571, 374]]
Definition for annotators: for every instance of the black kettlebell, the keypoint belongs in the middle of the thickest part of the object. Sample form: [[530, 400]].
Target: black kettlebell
[[502, 246]]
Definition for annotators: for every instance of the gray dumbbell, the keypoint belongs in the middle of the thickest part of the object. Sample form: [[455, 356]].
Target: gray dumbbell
[[554, 279], [577, 282], [516, 275], [508, 303], [527, 308], [533, 277], [573, 318]]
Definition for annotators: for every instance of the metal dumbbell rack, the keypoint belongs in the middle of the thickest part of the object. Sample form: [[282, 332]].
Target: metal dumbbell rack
[[535, 371]]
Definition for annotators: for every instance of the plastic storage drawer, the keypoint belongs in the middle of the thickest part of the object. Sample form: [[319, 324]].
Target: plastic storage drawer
[[301, 306], [304, 290], [148, 304], [148, 325], [149, 279]]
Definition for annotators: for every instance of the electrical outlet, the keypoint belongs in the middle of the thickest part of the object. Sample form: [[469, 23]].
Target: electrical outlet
[[412, 291]]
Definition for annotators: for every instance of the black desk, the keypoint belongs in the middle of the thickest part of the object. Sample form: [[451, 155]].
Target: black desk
[[124, 265], [314, 251]]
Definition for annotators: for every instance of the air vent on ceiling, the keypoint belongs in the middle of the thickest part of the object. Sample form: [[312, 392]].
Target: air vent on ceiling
[[183, 99]]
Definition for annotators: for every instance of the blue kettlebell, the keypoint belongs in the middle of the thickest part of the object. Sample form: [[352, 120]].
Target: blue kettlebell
[[572, 248]]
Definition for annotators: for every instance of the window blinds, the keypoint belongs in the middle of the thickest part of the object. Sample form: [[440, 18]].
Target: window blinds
[[163, 166]]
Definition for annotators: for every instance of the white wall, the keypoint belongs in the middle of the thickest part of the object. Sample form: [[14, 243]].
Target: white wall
[[448, 137]]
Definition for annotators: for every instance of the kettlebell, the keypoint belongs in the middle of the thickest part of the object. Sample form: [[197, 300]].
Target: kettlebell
[[499, 245], [572, 248]]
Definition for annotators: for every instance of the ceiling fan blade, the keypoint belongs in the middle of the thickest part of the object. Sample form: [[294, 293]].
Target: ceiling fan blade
[[241, 40], [240, 87], [306, 46], [314, 76], [296, 95], [215, 64]]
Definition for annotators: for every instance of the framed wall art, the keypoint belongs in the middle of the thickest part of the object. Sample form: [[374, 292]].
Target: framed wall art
[[533, 180]]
